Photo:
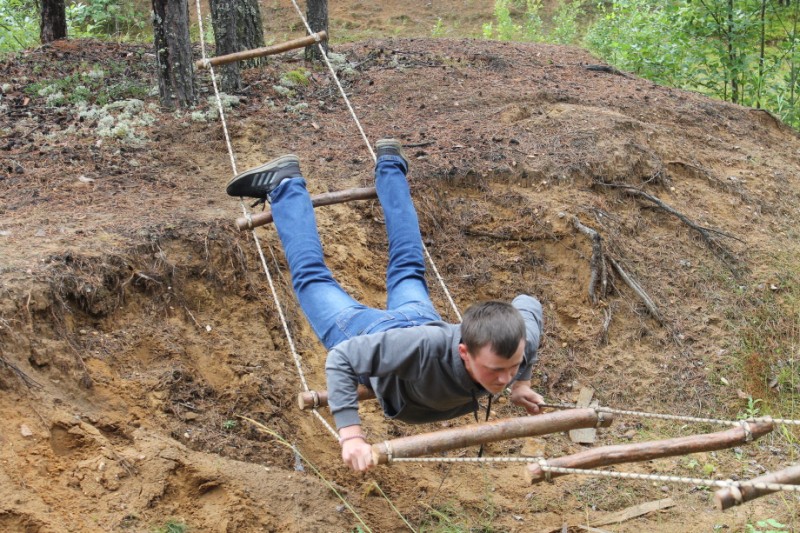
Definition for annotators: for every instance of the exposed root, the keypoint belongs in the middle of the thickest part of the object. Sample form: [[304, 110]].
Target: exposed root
[[640, 292], [597, 263], [709, 235], [29, 381], [608, 312]]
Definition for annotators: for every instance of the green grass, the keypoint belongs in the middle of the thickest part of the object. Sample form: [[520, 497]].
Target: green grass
[[172, 526]]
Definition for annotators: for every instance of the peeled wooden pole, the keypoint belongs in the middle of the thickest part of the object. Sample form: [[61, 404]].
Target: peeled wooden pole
[[474, 434], [311, 399], [328, 198], [260, 52], [726, 498], [645, 451]]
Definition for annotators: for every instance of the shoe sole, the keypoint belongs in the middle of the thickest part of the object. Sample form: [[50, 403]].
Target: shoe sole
[[275, 165]]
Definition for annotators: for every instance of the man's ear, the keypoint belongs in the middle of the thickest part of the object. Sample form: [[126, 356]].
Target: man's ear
[[462, 351]]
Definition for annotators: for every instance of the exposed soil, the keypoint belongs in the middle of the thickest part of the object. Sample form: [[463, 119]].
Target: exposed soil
[[136, 324]]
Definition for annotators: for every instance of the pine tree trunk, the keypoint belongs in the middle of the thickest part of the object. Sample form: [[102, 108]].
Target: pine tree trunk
[[250, 30], [223, 19], [173, 53], [53, 24], [317, 15]]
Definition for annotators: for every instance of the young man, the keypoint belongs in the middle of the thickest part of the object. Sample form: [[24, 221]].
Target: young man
[[421, 369]]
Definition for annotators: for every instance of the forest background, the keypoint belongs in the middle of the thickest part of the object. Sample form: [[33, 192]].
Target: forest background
[[742, 51]]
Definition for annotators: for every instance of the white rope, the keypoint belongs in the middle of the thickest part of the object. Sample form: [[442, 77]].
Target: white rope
[[231, 155], [369, 147], [465, 459], [673, 479], [681, 418], [275, 297]]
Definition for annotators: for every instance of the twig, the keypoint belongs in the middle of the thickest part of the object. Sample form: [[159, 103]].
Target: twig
[[634, 285]]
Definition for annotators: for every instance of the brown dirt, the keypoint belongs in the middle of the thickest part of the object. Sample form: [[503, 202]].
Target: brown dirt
[[137, 323]]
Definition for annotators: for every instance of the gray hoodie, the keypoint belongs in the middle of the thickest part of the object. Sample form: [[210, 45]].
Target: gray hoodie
[[416, 372]]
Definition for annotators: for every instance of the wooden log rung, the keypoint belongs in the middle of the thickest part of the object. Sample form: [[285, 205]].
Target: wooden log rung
[[475, 434], [646, 451], [728, 497], [312, 399], [261, 52], [329, 198]]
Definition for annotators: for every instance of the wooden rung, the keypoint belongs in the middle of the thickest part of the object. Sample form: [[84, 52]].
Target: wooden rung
[[305, 400], [328, 198], [645, 451], [261, 52], [474, 434], [724, 498]]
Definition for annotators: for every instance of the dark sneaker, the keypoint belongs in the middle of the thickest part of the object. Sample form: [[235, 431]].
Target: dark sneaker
[[390, 147], [260, 181]]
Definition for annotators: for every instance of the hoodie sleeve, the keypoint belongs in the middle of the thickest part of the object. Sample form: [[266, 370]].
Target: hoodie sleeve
[[402, 352], [531, 311]]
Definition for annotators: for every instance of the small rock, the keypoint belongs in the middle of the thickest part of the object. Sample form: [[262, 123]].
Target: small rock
[[25, 431], [664, 488], [191, 416], [84, 179], [629, 434]]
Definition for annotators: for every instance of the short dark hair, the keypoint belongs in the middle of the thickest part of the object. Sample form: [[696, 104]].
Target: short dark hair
[[495, 323]]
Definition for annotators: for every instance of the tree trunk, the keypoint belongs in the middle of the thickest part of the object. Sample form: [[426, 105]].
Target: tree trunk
[[53, 25], [249, 30], [223, 18], [173, 53], [317, 15]]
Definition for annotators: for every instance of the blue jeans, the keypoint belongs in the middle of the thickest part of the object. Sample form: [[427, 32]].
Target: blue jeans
[[334, 315]]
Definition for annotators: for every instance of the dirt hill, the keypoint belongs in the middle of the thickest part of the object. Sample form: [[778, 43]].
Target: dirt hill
[[137, 324]]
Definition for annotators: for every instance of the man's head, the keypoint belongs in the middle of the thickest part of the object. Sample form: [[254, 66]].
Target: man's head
[[492, 344]]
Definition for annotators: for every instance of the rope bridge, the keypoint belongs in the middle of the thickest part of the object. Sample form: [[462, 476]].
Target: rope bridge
[[413, 448]]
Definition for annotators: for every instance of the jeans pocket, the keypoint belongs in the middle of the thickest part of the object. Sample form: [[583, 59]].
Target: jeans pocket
[[357, 321], [419, 313]]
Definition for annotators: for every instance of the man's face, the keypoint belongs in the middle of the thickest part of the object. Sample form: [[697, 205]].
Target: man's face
[[490, 370]]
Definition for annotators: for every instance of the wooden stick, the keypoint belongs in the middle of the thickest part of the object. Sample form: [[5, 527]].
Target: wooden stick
[[725, 498], [474, 434], [260, 52], [328, 198], [634, 285], [305, 400], [645, 451]]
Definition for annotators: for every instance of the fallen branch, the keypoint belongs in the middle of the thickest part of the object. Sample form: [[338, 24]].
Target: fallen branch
[[618, 517], [634, 285]]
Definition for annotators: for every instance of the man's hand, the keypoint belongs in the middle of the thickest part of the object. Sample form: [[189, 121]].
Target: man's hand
[[356, 451], [523, 395]]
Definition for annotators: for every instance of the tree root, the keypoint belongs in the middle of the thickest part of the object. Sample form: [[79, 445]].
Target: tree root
[[29, 381], [640, 292], [709, 235], [597, 264]]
